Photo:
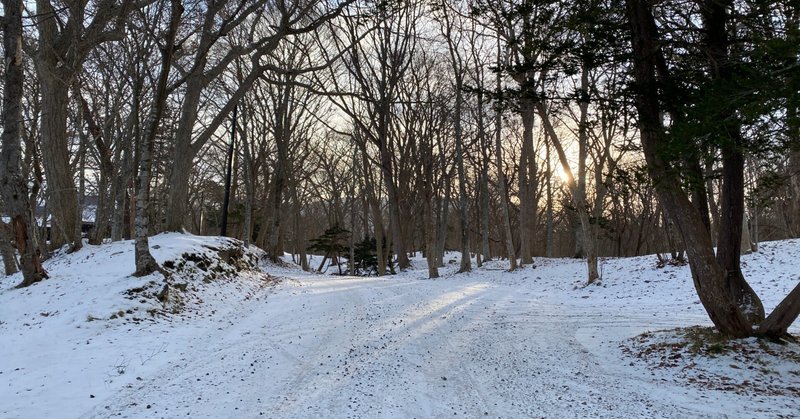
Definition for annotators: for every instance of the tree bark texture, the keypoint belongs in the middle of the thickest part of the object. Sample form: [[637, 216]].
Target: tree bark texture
[[282, 136], [729, 242], [13, 185], [145, 263], [7, 251], [525, 180], [710, 278], [61, 188]]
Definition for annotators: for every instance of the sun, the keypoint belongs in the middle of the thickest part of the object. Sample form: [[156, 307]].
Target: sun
[[561, 174]]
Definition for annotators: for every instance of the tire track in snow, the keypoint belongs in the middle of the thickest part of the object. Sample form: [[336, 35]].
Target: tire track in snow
[[357, 347]]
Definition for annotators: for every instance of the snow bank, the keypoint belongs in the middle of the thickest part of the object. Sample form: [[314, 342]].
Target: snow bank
[[78, 335]]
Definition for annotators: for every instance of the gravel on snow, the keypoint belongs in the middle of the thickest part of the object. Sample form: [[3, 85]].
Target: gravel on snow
[[485, 344]]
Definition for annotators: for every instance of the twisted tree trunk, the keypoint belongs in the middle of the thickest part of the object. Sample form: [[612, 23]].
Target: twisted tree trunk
[[721, 296]]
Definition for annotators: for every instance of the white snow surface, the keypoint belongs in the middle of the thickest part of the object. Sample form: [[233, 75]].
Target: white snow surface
[[484, 344]]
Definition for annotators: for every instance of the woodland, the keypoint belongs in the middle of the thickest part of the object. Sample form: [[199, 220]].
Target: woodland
[[369, 131]]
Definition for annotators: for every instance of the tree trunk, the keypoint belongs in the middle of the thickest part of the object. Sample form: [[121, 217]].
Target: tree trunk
[[103, 209], [483, 177], [577, 234], [145, 263], [263, 214], [184, 152], [577, 189], [351, 258], [483, 180], [274, 250], [443, 217], [579, 194], [55, 76], [501, 180], [380, 240], [179, 186], [81, 186], [430, 239], [794, 185], [398, 242], [7, 250], [712, 202], [127, 163], [119, 195], [300, 232], [249, 182], [589, 245], [466, 263], [61, 189], [549, 205], [729, 243], [747, 245], [37, 233], [377, 217], [13, 185], [777, 323], [229, 173], [429, 222], [709, 278], [443, 206], [282, 134], [525, 198]]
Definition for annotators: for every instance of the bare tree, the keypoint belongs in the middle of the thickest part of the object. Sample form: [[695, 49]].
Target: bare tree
[[13, 185], [283, 20], [377, 66], [145, 263], [63, 44], [458, 65], [424, 117], [293, 115], [501, 179]]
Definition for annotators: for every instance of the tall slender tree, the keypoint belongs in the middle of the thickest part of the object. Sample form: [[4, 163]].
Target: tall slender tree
[[145, 263], [13, 183]]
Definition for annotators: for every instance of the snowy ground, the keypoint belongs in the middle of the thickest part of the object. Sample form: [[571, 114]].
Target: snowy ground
[[484, 344]]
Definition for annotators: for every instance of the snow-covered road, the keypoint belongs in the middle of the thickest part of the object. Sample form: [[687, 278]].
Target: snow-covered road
[[369, 348], [485, 344]]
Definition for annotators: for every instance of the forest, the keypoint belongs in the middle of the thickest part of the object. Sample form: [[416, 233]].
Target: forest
[[503, 129]]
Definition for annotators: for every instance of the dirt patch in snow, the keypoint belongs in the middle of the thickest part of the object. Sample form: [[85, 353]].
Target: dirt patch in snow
[[701, 357], [185, 279]]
